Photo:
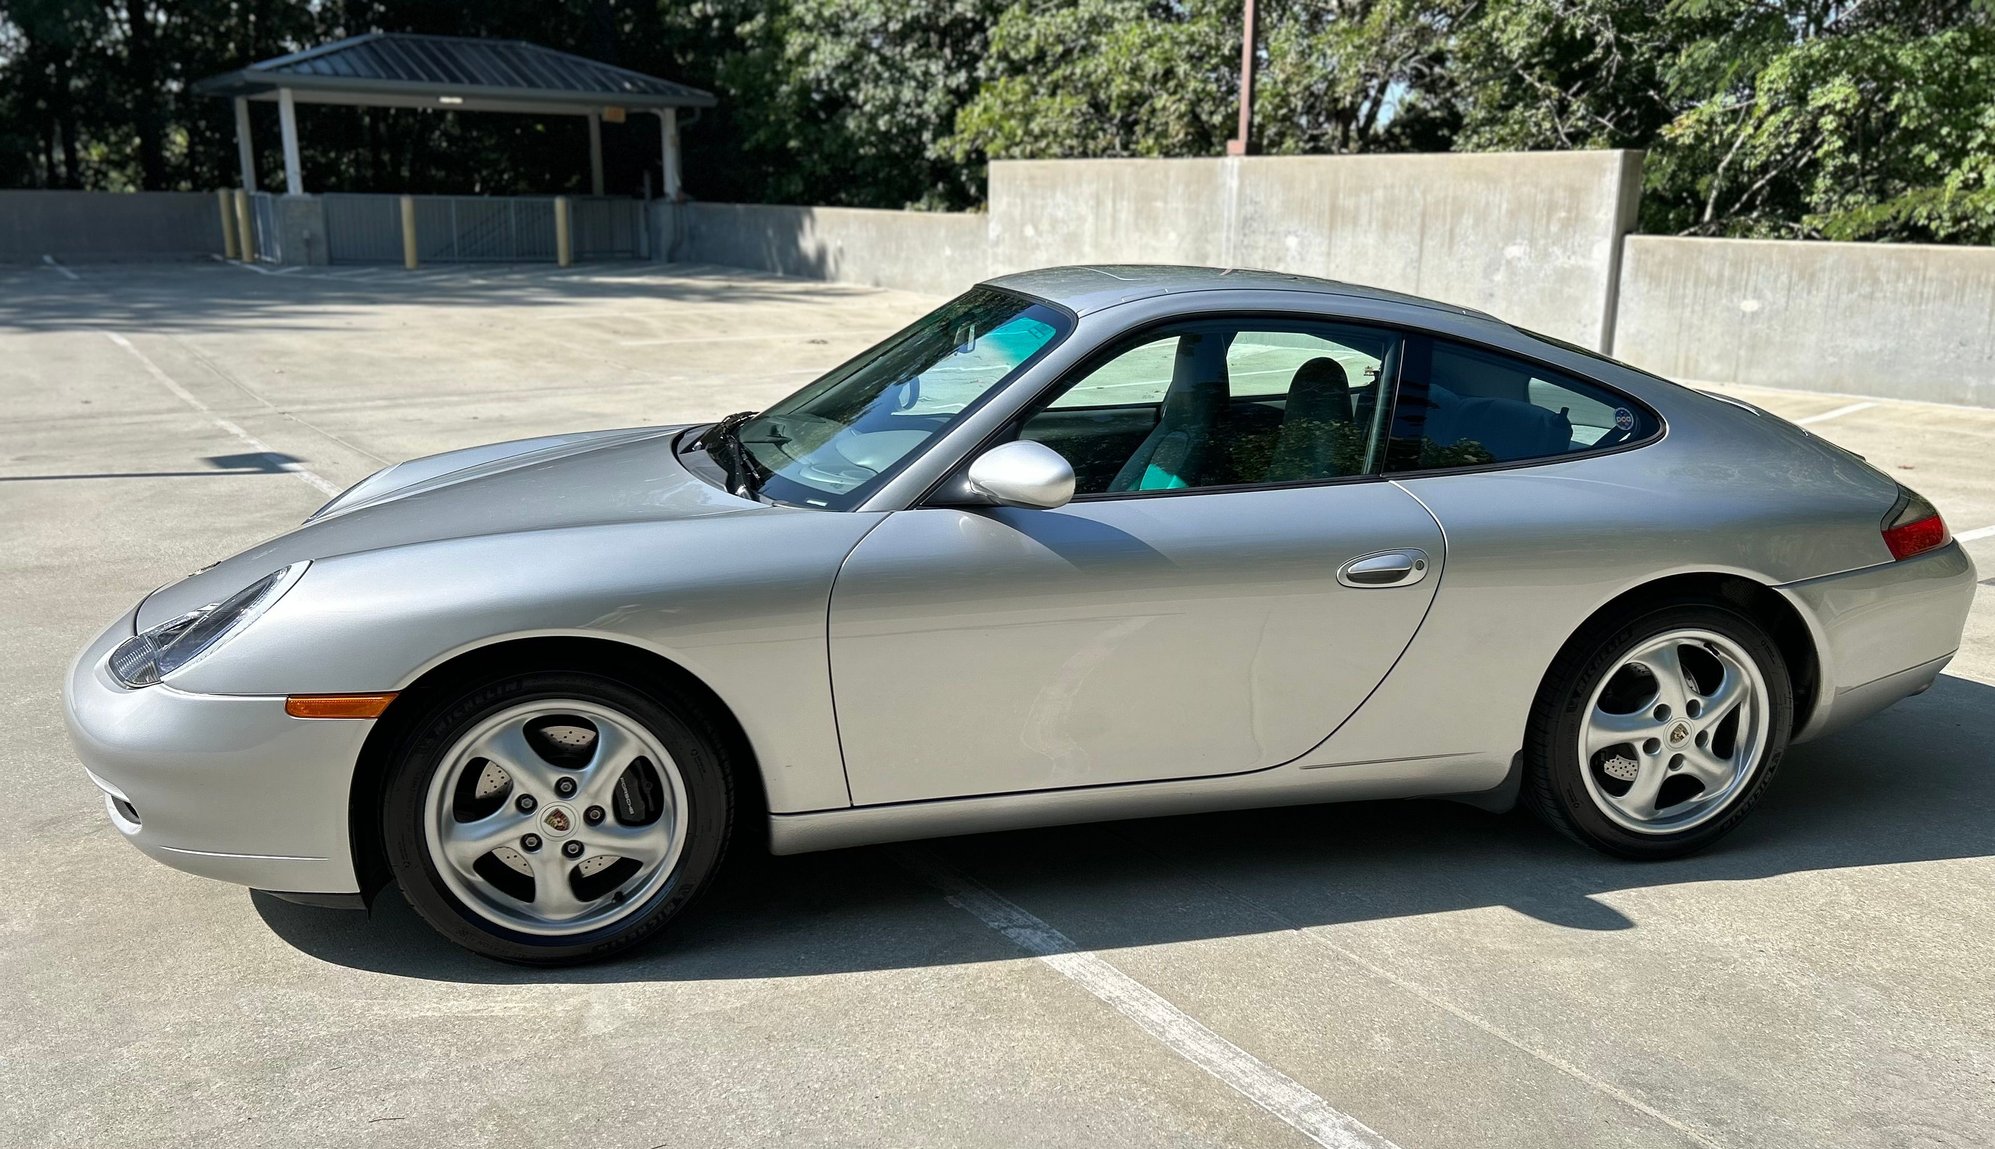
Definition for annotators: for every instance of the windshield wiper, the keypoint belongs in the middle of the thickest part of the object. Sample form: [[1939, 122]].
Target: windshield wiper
[[722, 442]]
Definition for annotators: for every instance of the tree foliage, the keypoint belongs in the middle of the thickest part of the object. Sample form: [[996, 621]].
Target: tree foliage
[[1845, 119], [1872, 128]]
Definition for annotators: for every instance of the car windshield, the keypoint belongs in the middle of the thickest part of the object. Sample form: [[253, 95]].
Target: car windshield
[[832, 443]]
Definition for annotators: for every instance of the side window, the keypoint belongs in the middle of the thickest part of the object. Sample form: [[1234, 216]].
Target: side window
[[1212, 403], [1136, 377], [1463, 406]]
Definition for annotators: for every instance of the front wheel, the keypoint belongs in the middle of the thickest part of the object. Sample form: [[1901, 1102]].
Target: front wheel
[[1654, 736], [558, 817]]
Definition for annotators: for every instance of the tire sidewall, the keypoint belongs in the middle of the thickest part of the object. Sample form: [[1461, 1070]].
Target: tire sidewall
[[1599, 654], [707, 824]]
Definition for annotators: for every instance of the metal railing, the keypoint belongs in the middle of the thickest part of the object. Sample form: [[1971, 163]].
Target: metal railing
[[480, 229], [363, 228]]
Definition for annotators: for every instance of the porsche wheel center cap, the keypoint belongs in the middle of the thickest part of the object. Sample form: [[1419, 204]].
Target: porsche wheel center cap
[[558, 821], [1679, 734]]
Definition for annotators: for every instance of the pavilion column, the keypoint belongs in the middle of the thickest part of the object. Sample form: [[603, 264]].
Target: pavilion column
[[668, 135], [245, 151], [595, 153], [287, 116]]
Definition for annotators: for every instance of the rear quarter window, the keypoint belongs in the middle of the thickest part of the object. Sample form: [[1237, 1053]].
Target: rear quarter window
[[1462, 406]]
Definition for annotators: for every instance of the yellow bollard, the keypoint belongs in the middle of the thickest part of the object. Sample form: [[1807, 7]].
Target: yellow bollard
[[409, 259], [226, 203], [563, 255], [245, 227]]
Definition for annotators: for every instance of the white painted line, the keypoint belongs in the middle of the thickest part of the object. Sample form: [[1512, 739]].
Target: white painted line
[[1558, 1063], [735, 338], [67, 274], [1971, 536], [1848, 409], [185, 396], [1728, 386], [1441, 1003], [1184, 1035]]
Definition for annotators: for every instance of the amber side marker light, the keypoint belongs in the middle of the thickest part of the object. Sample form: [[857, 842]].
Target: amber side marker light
[[337, 705]]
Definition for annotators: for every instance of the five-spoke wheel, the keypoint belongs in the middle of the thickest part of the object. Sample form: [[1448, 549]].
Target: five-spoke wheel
[[1654, 734], [555, 816], [559, 816], [1674, 731]]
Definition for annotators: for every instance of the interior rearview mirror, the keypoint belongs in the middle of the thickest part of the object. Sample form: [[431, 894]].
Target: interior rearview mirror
[[1022, 474]]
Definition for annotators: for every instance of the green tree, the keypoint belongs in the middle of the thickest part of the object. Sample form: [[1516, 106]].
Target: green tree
[[1875, 125], [1105, 78], [1161, 78], [49, 50], [1562, 74], [848, 101], [1343, 76], [1795, 118]]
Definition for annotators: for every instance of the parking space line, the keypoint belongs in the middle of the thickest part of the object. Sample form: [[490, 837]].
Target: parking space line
[[1971, 536], [1264, 1085], [734, 338], [1446, 1006], [245, 266], [310, 478], [1846, 409]]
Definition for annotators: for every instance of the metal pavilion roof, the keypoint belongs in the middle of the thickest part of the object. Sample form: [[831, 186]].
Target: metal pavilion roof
[[400, 69]]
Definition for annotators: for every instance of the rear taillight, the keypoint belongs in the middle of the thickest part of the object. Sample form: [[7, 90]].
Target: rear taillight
[[1913, 526]]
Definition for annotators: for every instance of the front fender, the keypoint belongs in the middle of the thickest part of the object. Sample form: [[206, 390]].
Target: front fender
[[738, 601]]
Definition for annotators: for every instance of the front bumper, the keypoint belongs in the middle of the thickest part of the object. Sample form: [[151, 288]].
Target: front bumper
[[224, 786], [1882, 632]]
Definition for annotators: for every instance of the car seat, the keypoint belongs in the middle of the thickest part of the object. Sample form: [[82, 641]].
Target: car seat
[[1177, 452]]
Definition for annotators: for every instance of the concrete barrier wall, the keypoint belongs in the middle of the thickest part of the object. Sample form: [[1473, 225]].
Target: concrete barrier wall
[[1900, 321], [937, 253], [1531, 238], [108, 225]]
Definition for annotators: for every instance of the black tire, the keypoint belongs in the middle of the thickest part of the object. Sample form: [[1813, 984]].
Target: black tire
[[1554, 786], [686, 733]]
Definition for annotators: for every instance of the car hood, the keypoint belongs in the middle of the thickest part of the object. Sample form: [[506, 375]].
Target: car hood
[[579, 480]]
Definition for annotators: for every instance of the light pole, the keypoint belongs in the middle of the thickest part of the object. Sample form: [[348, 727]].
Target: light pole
[[1240, 146]]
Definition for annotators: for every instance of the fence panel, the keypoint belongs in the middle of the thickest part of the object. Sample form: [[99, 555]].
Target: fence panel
[[263, 217], [607, 228], [479, 229], [364, 228]]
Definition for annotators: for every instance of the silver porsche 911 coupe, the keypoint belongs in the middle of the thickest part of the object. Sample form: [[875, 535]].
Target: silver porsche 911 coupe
[[1084, 543]]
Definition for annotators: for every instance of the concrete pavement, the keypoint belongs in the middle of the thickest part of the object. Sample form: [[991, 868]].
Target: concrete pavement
[[1444, 977]]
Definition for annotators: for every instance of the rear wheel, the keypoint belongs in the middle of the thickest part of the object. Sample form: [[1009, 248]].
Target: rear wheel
[[1655, 735], [557, 817]]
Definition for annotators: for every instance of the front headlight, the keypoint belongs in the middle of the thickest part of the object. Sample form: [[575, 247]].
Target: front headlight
[[158, 651]]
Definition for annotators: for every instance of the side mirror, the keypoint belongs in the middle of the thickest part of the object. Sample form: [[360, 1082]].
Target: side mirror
[[1022, 474]]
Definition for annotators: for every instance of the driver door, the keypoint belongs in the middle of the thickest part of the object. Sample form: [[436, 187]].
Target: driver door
[[1191, 613]]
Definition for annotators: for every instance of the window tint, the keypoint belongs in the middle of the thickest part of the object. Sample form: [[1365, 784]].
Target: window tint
[[1221, 404], [1265, 362], [1137, 376], [831, 444], [1463, 406]]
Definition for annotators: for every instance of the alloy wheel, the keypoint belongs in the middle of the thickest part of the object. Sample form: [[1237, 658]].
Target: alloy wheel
[[555, 817], [1674, 731]]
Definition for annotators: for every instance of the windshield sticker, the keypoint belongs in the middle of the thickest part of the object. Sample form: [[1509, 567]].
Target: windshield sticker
[[1624, 419]]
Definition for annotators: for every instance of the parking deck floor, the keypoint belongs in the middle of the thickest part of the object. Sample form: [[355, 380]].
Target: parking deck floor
[[1826, 976]]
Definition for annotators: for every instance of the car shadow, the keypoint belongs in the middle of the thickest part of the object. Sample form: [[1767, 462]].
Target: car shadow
[[1914, 784]]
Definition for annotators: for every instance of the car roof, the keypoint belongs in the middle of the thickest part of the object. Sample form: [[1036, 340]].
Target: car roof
[[1090, 287]]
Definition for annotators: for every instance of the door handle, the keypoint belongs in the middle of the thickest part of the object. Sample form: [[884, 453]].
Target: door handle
[[1386, 568]]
